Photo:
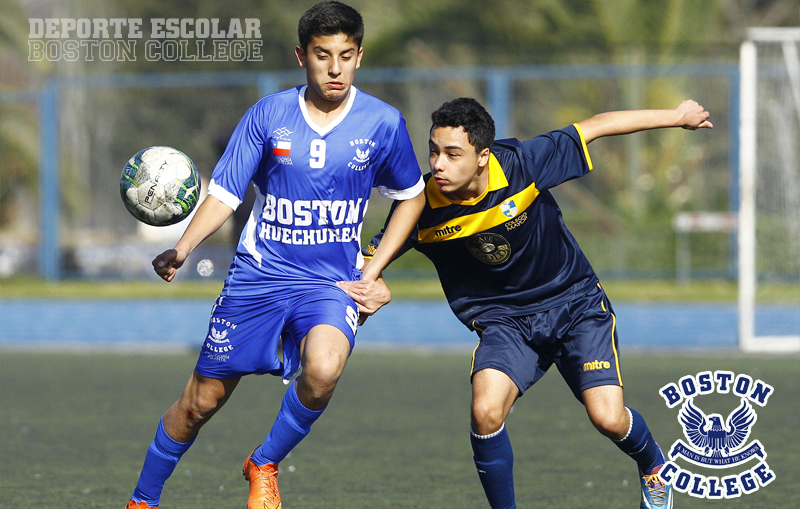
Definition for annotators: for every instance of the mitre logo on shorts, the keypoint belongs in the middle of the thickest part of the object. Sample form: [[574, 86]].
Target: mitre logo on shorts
[[594, 365], [712, 443], [364, 148]]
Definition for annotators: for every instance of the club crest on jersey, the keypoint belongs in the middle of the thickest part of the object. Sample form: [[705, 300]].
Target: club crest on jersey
[[490, 248], [282, 146], [363, 151], [714, 441], [508, 208]]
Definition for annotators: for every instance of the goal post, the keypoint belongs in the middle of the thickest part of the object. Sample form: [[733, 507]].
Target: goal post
[[769, 180]]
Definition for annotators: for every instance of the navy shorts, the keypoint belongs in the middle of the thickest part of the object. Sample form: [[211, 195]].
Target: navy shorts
[[579, 337], [262, 334]]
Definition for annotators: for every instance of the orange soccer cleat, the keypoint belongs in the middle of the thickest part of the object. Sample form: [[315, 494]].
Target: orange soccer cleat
[[139, 505], [263, 485]]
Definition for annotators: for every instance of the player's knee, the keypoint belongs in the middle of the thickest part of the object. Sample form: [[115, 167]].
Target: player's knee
[[324, 371], [319, 381], [613, 425], [199, 409], [487, 418]]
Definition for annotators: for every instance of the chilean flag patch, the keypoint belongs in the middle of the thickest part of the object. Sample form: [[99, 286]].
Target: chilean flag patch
[[281, 148]]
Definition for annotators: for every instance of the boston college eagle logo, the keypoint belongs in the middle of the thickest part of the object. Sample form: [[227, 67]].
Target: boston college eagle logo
[[710, 436], [219, 337], [714, 444], [364, 150], [362, 156]]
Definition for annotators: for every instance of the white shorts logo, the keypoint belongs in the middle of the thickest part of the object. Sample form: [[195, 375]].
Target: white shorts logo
[[352, 319]]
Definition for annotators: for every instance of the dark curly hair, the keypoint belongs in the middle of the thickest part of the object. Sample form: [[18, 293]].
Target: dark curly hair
[[467, 113], [330, 18]]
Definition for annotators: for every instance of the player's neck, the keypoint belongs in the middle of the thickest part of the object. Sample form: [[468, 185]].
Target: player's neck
[[476, 187], [322, 111]]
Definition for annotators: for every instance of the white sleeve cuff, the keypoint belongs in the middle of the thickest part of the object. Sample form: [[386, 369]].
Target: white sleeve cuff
[[405, 194], [223, 195]]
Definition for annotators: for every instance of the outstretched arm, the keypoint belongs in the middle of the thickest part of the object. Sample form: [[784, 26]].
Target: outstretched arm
[[371, 293], [688, 115], [210, 216]]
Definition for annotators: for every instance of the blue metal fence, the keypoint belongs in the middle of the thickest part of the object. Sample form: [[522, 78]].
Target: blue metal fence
[[499, 83]]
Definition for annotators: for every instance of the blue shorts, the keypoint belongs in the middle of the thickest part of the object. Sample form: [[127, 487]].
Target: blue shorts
[[262, 334], [579, 337]]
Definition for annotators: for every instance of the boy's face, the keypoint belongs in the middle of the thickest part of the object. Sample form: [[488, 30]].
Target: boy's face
[[330, 62], [455, 165]]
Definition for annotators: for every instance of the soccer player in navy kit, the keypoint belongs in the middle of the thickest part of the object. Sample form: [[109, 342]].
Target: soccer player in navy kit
[[512, 272], [313, 154]]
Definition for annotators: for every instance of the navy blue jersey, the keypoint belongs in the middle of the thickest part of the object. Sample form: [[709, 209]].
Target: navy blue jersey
[[508, 252]]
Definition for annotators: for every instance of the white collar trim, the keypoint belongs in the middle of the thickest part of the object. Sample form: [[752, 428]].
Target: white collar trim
[[322, 131]]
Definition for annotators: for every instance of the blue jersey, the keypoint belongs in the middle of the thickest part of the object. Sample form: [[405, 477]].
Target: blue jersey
[[312, 187], [508, 252]]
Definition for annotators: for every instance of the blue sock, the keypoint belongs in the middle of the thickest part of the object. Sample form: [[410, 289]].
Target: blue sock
[[494, 460], [640, 445], [291, 426], [162, 457]]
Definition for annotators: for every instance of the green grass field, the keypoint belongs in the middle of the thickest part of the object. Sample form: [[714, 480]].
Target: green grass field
[[75, 428], [402, 288]]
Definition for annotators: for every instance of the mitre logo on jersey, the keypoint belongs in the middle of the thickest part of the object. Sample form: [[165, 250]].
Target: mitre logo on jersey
[[363, 147], [714, 444]]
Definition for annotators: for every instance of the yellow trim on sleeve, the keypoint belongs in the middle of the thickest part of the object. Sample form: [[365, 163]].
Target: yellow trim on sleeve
[[585, 148]]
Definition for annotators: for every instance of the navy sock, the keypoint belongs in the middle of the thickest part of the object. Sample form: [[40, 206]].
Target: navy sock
[[162, 458], [291, 426], [494, 460], [639, 444]]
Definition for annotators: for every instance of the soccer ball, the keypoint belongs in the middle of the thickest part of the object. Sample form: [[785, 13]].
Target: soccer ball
[[160, 186]]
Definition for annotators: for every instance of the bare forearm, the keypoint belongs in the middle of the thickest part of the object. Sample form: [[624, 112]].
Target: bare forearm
[[397, 231], [688, 115], [624, 122], [210, 216]]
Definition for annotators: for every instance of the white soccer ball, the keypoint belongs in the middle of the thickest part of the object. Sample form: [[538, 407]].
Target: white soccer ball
[[160, 186]]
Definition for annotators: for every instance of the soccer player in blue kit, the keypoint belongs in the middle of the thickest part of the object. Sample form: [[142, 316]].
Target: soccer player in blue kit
[[313, 154], [512, 272]]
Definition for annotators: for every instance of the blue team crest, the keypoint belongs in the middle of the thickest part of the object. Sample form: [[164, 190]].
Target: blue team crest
[[716, 442], [508, 208], [364, 148], [711, 439]]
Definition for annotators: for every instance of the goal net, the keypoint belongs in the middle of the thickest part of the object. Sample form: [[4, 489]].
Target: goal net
[[769, 208]]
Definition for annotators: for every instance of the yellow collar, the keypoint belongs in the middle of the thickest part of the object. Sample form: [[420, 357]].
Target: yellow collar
[[497, 180]]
